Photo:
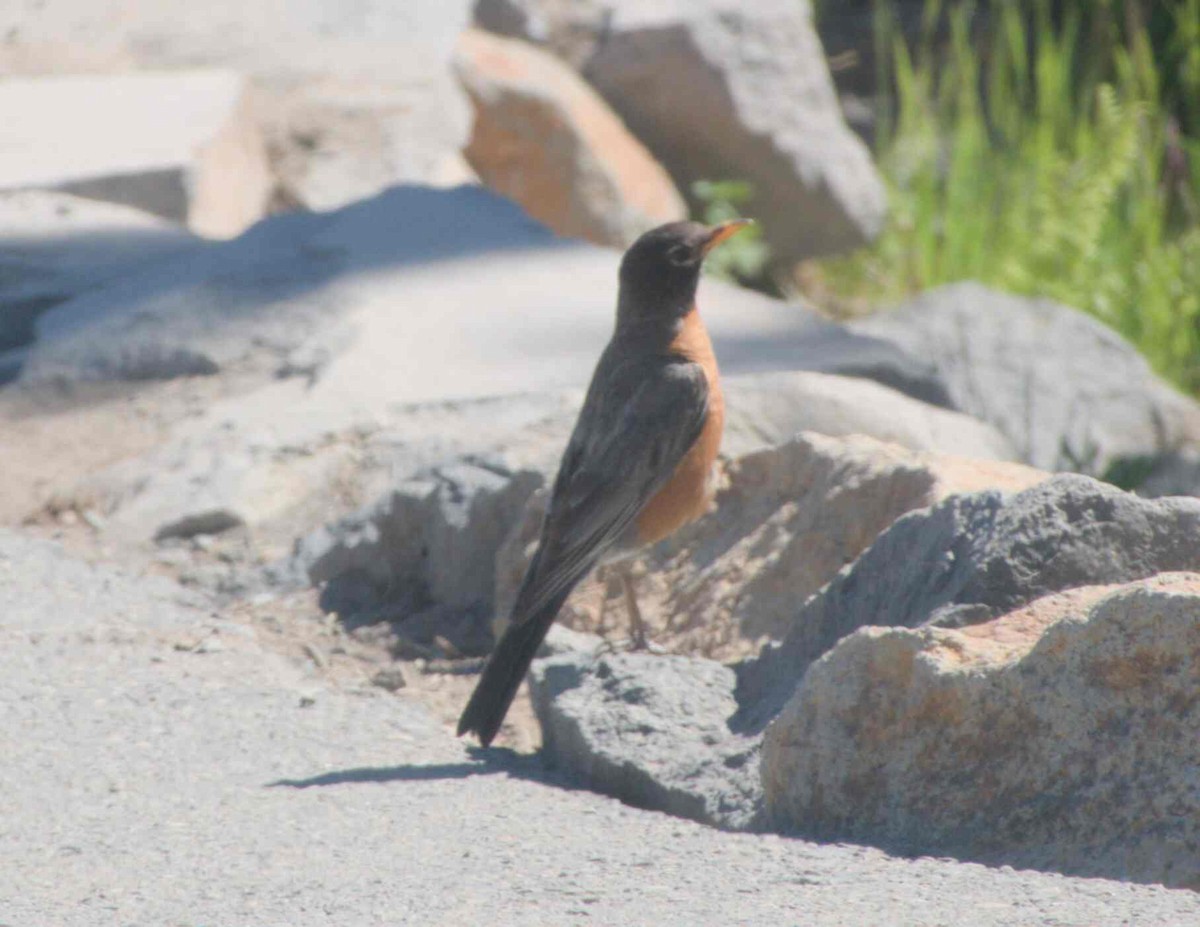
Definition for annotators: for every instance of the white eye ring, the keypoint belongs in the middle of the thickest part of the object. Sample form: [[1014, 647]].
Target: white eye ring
[[680, 255]]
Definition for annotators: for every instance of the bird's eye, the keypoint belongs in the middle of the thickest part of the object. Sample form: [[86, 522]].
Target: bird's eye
[[680, 255]]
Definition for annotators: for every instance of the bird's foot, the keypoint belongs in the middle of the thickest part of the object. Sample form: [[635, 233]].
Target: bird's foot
[[631, 645], [637, 626]]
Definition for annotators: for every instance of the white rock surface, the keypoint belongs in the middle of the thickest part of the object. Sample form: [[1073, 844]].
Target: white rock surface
[[352, 97], [54, 246], [328, 326], [414, 295], [770, 408], [183, 145]]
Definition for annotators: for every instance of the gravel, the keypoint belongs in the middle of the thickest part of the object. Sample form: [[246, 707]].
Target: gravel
[[148, 780]]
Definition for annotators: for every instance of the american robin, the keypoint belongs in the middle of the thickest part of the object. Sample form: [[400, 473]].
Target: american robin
[[639, 462]]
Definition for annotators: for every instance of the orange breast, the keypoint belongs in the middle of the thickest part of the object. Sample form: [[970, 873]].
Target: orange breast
[[686, 494]]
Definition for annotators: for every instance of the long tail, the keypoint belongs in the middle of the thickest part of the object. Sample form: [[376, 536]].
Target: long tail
[[502, 676]]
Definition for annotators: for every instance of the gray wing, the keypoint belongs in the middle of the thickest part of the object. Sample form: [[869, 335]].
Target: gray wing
[[625, 446]]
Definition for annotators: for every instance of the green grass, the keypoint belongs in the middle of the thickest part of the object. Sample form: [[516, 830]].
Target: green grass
[[1044, 161]]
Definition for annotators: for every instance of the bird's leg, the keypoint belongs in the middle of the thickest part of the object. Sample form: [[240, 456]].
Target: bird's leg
[[602, 582], [637, 627]]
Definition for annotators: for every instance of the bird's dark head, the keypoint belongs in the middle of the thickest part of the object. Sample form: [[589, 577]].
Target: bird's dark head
[[661, 270]]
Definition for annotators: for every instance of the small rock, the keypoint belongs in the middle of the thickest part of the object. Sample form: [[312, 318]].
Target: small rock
[[424, 553], [446, 647], [94, 519], [391, 679], [202, 542], [172, 556], [199, 524], [316, 655], [648, 730], [562, 640], [210, 644]]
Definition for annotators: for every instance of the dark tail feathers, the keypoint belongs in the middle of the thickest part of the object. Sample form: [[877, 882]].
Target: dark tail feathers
[[502, 676]]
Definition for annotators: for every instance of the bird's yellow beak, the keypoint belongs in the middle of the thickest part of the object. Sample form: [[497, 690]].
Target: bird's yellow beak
[[723, 231]]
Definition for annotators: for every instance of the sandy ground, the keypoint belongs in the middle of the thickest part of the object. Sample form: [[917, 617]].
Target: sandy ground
[[51, 440], [170, 763]]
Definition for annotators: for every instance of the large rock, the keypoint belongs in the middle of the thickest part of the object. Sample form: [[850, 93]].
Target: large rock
[[787, 519], [959, 563], [182, 145], [847, 397], [316, 331], [1176, 473], [571, 28], [1069, 393], [312, 352], [724, 90], [459, 476], [350, 100], [1060, 736], [973, 557], [544, 138], [56, 246], [385, 291], [274, 299], [227, 458], [354, 491], [650, 731], [424, 555], [205, 481], [335, 139]]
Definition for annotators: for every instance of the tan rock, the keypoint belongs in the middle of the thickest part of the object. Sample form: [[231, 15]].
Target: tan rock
[[723, 90], [1062, 735], [785, 521], [544, 138]]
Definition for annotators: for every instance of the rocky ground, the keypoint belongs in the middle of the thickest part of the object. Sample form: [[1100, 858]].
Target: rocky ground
[[267, 494]]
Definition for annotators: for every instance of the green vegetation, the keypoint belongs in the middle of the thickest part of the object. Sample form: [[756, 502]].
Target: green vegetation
[[744, 257], [1057, 154]]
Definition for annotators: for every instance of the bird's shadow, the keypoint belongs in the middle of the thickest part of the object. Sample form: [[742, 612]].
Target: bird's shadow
[[484, 762]]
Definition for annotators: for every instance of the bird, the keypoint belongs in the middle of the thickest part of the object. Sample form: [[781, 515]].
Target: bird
[[639, 462]]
